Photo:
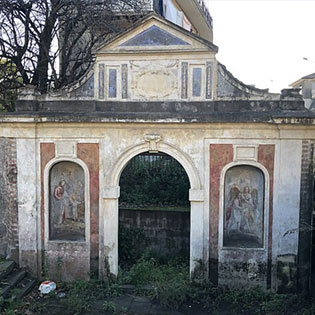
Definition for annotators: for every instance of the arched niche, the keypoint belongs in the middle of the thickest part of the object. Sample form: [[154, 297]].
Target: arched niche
[[67, 204], [244, 207]]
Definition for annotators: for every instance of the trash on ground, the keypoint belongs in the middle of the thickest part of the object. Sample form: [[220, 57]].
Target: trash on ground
[[47, 287], [61, 295]]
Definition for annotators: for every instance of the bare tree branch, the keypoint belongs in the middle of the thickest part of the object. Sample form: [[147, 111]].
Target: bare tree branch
[[40, 37]]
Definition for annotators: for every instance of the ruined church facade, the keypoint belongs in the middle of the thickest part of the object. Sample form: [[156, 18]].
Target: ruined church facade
[[248, 155]]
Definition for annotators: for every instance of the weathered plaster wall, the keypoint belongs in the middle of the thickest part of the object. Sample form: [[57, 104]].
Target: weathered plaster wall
[[286, 214], [28, 205], [220, 155], [189, 143], [3, 206], [89, 153], [8, 199]]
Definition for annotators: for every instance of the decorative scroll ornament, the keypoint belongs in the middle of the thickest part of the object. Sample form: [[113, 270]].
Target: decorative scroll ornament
[[153, 142]]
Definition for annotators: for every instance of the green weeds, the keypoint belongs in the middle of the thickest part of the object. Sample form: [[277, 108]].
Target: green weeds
[[81, 293], [131, 242], [169, 282], [172, 288], [109, 306], [169, 285]]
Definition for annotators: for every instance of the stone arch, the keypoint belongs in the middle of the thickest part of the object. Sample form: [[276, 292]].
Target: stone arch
[[112, 192], [177, 154]]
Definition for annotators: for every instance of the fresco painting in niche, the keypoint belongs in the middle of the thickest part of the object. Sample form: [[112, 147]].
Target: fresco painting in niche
[[66, 202], [243, 207]]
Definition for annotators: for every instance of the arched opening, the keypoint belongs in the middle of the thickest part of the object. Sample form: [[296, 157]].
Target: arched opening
[[244, 207], [67, 202], [154, 210]]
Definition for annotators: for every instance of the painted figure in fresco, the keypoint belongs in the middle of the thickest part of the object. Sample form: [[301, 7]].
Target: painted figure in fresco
[[75, 200], [241, 210], [249, 202], [68, 202], [234, 211], [61, 194], [59, 190]]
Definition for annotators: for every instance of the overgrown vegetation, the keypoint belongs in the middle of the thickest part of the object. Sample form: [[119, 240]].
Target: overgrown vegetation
[[131, 243], [170, 285], [81, 293], [8, 306]]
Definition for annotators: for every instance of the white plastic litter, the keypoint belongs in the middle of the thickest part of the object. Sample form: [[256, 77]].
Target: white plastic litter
[[61, 295], [47, 287]]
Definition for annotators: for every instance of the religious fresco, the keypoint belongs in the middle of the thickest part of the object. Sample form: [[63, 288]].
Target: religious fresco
[[243, 207], [66, 202]]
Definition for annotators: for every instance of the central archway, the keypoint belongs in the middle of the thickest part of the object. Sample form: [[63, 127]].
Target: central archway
[[154, 211], [109, 246]]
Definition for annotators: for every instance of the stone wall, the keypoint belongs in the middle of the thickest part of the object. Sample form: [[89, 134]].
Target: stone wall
[[115, 144], [8, 199], [305, 233], [168, 232]]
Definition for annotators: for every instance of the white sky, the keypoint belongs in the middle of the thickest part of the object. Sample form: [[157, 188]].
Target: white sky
[[263, 42]]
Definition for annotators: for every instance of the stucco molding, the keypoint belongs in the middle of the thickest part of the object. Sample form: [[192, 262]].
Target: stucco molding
[[153, 141], [111, 192], [245, 153], [196, 195], [176, 153], [65, 149]]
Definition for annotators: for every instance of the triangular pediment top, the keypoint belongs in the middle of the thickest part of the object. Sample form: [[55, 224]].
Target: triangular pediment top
[[155, 33], [154, 36]]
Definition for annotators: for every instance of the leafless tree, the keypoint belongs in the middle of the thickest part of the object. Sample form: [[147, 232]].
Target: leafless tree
[[48, 43]]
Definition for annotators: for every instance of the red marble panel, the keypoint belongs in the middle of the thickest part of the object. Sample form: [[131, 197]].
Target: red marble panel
[[220, 156], [266, 157], [47, 153], [89, 153]]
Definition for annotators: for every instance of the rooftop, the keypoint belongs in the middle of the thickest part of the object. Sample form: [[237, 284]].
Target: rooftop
[[310, 76]]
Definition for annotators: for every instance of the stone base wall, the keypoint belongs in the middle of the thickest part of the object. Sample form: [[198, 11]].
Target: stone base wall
[[167, 232]]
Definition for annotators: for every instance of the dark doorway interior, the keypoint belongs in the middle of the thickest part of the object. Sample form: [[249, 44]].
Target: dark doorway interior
[[154, 210]]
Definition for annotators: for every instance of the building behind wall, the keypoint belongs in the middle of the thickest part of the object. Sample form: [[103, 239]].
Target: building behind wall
[[307, 84], [159, 88], [191, 15]]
